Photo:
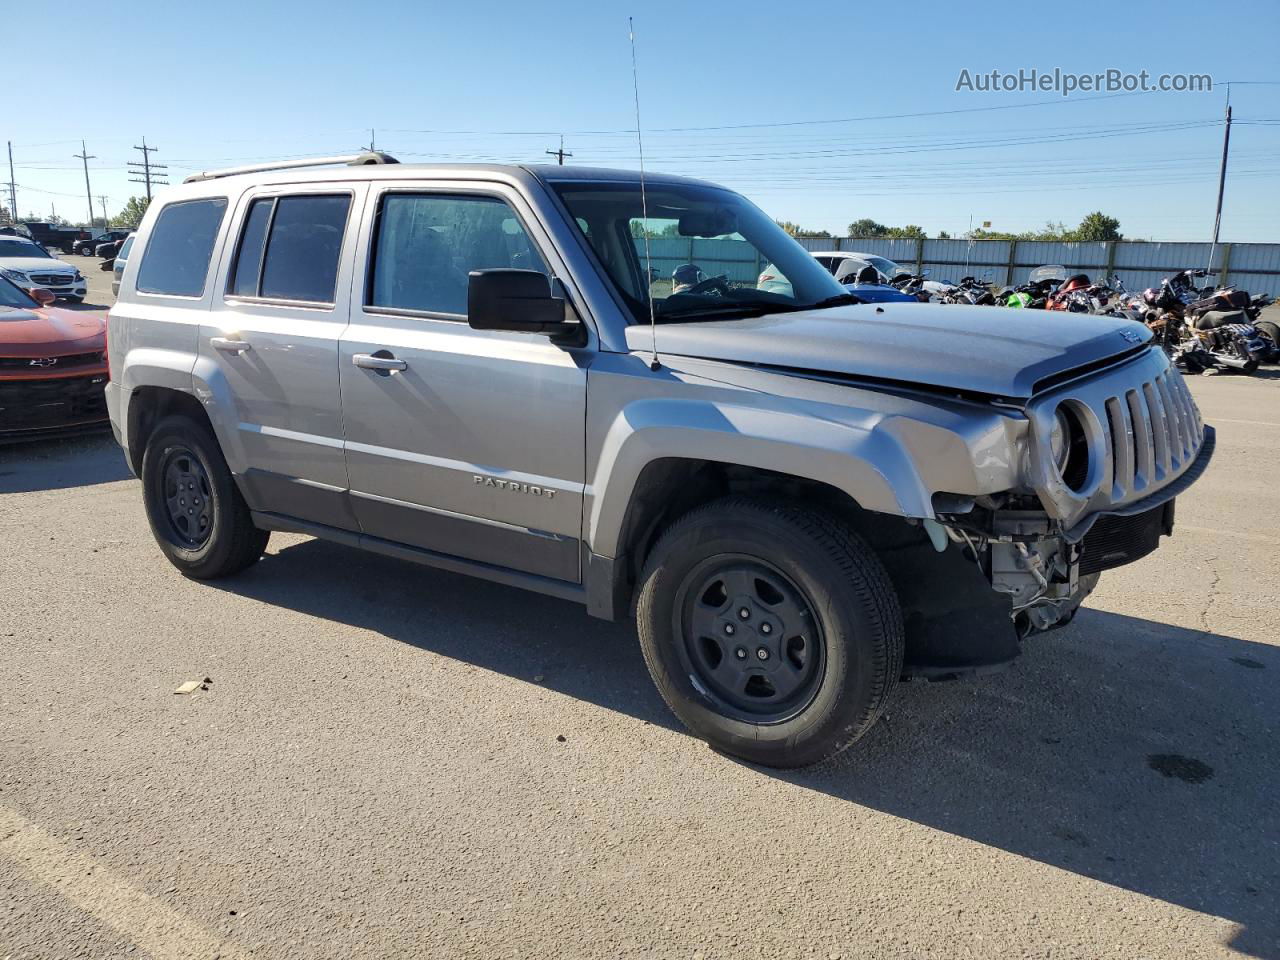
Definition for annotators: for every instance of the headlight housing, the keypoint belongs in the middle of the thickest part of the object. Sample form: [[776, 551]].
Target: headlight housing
[[1060, 439], [17, 276], [1069, 446]]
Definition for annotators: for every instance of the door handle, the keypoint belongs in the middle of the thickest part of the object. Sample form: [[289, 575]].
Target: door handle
[[230, 346], [382, 361]]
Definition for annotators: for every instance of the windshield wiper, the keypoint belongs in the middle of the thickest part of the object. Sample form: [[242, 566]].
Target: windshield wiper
[[725, 311]]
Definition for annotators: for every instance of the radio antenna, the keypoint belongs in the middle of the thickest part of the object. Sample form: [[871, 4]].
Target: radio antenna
[[644, 206]]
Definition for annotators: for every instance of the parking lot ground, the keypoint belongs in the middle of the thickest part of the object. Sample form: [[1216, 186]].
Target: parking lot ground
[[391, 761]]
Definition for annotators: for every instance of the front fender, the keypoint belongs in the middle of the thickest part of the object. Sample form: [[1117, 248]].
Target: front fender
[[869, 463]]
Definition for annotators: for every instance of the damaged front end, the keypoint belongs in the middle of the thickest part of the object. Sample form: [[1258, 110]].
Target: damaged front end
[[1106, 458]]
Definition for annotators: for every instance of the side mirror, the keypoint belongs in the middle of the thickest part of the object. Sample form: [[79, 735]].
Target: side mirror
[[517, 300], [42, 296]]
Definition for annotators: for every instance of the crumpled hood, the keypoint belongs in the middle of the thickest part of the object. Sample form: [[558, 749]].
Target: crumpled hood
[[50, 332], [990, 350], [36, 265]]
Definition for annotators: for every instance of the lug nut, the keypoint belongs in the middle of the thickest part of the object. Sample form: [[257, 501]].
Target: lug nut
[[740, 653], [765, 628], [728, 629], [744, 614], [762, 653]]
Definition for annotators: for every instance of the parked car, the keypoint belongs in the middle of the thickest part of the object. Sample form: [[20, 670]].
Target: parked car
[[117, 264], [866, 275], [469, 367], [28, 264], [88, 248], [53, 236], [53, 366]]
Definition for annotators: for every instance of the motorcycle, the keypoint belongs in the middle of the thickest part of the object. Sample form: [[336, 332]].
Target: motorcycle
[[1204, 329]]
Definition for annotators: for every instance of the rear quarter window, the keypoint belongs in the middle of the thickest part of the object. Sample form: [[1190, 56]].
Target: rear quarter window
[[176, 260]]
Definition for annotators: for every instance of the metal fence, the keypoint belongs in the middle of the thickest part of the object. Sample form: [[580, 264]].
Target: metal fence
[[1250, 266]]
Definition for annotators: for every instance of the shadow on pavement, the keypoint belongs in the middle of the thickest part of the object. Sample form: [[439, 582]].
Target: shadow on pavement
[[1130, 752], [58, 464]]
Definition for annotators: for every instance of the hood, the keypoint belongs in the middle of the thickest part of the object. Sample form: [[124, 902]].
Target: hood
[[36, 265], [50, 332], [990, 350]]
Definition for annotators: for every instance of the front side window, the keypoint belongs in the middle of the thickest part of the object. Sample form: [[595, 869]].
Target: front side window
[[425, 245], [176, 261], [289, 248], [701, 252]]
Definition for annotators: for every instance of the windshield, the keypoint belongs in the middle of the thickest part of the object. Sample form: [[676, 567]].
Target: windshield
[[888, 269], [1050, 271], [11, 295], [707, 247], [10, 247]]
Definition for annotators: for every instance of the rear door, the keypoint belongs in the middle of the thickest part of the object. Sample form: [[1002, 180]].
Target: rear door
[[466, 442], [272, 335]]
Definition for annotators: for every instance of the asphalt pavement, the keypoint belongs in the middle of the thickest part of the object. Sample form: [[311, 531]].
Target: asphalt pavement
[[390, 761]]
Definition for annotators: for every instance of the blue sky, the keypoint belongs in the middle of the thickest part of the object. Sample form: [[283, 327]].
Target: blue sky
[[238, 81]]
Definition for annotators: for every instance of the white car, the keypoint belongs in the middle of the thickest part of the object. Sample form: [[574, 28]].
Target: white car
[[844, 265], [29, 265]]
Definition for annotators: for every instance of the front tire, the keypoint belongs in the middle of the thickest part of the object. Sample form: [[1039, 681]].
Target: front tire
[[197, 514], [773, 633]]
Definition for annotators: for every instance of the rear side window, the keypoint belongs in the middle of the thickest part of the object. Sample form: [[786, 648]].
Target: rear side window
[[125, 248], [426, 245], [289, 248], [176, 261]]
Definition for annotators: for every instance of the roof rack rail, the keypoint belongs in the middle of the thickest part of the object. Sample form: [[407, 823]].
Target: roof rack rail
[[351, 160]]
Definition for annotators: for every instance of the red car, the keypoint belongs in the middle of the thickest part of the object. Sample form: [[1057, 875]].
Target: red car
[[53, 366]]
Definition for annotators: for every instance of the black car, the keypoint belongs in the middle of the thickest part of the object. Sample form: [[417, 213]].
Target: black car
[[87, 248]]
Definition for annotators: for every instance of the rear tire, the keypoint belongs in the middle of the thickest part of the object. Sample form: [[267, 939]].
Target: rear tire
[[773, 633], [197, 514]]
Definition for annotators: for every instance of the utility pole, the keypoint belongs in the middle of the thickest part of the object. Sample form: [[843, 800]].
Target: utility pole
[[560, 154], [1222, 181], [373, 142], [105, 221], [13, 189], [86, 156], [147, 169]]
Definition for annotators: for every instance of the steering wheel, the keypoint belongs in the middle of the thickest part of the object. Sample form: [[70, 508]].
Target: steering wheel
[[718, 284]]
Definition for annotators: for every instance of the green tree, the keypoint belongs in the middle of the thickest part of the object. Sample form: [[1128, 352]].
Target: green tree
[[132, 213], [866, 227], [1098, 226], [910, 230], [798, 231]]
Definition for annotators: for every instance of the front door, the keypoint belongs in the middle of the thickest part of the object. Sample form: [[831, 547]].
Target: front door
[[273, 335], [460, 441]]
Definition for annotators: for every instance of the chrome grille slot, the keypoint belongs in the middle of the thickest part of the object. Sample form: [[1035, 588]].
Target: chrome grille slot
[[1179, 428], [1122, 447], [1144, 449], [1159, 431]]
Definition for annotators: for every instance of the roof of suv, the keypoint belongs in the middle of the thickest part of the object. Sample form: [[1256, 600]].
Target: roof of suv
[[547, 173]]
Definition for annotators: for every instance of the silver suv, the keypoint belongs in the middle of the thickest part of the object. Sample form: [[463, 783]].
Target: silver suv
[[491, 370]]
